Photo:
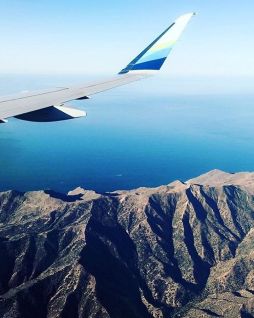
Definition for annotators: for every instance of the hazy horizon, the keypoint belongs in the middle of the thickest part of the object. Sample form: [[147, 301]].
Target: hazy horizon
[[165, 84]]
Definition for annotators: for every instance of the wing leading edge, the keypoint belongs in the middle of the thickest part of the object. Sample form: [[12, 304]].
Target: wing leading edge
[[51, 102]]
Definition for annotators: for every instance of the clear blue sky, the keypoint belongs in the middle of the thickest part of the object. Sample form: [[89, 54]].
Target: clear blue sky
[[101, 37]]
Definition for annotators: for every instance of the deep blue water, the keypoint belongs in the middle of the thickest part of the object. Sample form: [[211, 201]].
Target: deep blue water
[[130, 138]]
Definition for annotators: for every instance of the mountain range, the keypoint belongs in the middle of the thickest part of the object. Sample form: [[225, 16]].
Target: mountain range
[[180, 250]]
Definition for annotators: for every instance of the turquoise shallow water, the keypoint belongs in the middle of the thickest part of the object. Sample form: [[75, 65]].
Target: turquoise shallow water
[[129, 140]]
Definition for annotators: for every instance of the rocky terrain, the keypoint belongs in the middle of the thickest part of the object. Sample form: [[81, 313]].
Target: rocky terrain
[[181, 250]]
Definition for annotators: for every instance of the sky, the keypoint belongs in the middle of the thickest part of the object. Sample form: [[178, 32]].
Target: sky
[[101, 37]]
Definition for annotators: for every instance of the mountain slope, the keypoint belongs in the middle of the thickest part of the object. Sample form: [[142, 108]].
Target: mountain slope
[[183, 250]]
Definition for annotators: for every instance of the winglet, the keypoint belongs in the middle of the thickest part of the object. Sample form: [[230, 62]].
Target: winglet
[[153, 57]]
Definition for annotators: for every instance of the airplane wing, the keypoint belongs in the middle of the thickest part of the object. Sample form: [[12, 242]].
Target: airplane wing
[[49, 105]]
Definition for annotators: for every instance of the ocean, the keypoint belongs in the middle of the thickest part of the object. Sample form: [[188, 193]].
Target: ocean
[[132, 137]]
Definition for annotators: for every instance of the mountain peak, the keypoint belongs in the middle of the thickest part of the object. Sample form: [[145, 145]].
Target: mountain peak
[[218, 177]]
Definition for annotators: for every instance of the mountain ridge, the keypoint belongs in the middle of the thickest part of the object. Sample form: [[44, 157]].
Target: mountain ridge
[[180, 250]]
